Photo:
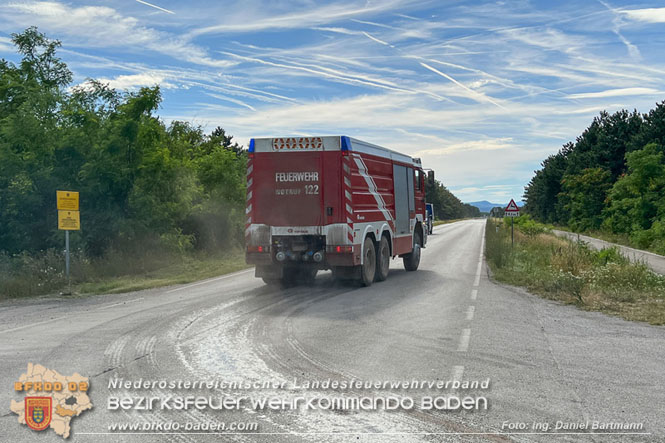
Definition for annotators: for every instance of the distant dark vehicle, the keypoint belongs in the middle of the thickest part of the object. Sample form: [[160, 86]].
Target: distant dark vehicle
[[429, 210]]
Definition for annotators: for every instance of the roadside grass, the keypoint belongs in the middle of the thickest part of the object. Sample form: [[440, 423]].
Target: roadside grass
[[187, 270], [26, 276], [573, 273]]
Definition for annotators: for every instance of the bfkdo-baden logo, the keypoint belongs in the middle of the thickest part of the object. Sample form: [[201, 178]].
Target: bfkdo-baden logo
[[38, 412], [51, 400]]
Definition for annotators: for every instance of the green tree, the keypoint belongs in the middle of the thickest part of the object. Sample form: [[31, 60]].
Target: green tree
[[541, 194], [637, 199], [141, 184], [583, 197]]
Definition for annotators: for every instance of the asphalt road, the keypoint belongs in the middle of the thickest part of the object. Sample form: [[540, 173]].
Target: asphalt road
[[546, 362]]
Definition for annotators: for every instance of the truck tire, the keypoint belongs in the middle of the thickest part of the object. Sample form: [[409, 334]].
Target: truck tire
[[412, 260], [382, 260], [368, 268]]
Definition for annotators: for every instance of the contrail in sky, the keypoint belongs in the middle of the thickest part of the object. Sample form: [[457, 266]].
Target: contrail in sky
[[155, 6], [477, 94]]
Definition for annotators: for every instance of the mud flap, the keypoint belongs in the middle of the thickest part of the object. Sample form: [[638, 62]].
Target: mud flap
[[269, 272]]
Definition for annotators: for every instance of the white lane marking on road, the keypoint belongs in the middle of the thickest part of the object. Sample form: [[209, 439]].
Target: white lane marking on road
[[458, 373], [32, 324], [464, 340], [470, 312], [209, 280], [474, 294], [476, 282]]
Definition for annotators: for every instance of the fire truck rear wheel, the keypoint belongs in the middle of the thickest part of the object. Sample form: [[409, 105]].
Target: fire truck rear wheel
[[412, 260], [382, 260], [368, 268]]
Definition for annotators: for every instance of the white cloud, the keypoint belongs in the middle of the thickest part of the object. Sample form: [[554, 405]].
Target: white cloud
[[469, 145], [547, 39], [240, 22], [589, 110], [648, 15], [134, 81], [621, 92], [102, 26], [6, 45]]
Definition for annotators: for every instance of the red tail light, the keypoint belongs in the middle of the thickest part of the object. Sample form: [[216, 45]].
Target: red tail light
[[345, 249], [254, 248]]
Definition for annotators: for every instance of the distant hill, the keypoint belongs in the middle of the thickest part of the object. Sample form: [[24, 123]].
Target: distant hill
[[486, 206]]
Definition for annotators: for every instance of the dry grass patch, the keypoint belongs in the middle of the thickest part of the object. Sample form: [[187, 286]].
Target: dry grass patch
[[573, 273]]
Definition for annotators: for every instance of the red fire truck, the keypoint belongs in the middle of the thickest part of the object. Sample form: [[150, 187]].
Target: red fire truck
[[334, 202]]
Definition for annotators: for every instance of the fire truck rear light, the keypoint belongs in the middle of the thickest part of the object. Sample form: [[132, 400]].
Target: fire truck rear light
[[346, 249], [253, 248]]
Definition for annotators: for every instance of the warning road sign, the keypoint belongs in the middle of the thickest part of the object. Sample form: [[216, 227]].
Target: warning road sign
[[69, 220], [512, 210]]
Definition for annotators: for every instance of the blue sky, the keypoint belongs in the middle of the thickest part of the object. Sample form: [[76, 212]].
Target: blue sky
[[481, 91]]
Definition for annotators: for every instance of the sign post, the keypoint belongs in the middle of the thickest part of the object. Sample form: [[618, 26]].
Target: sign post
[[512, 211], [69, 219]]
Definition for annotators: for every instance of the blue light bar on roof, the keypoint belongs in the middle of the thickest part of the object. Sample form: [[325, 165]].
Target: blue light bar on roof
[[251, 145]]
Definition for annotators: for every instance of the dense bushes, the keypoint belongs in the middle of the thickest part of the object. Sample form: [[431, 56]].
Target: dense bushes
[[149, 193], [141, 182]]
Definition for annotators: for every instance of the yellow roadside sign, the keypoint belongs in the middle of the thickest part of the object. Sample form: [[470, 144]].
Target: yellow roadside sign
[[69, 220], [68, 200]]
